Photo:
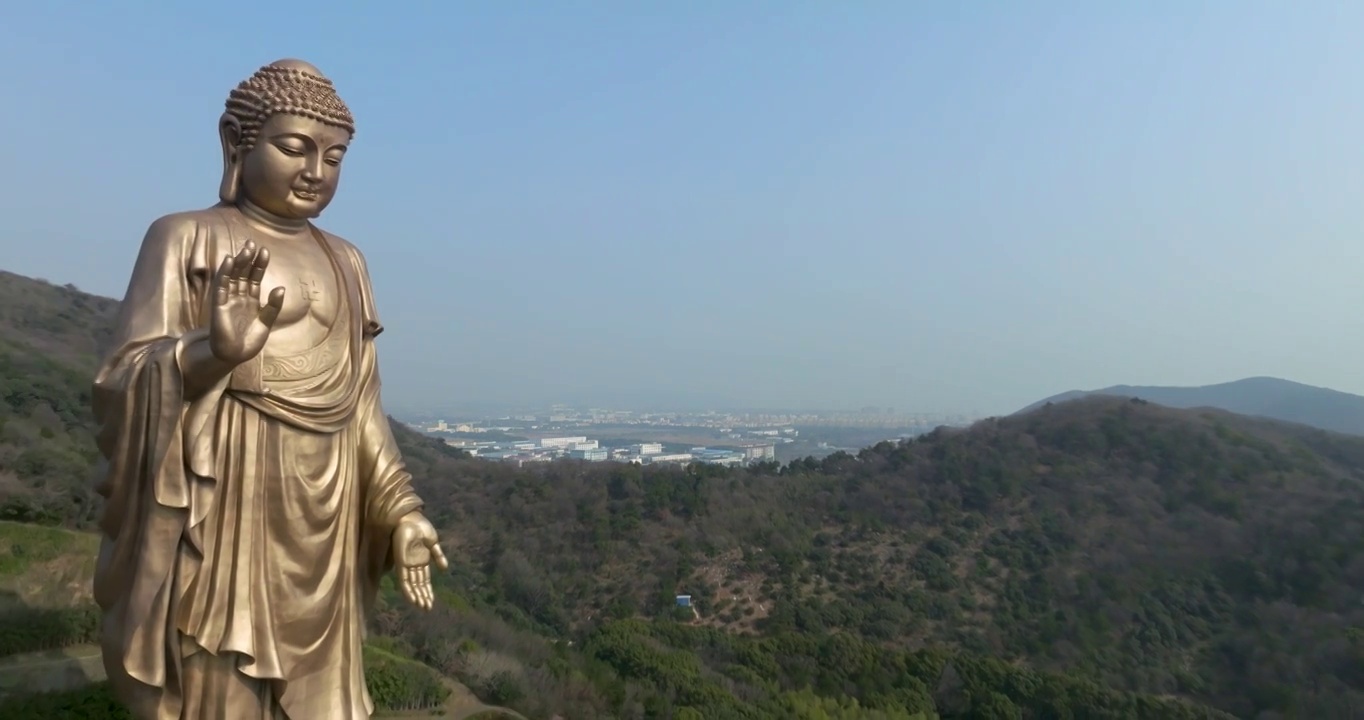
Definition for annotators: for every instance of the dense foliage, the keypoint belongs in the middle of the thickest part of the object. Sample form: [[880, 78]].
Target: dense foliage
[[94, 702], [29, 630], [395, 684], [1100, 558], [801, 672]]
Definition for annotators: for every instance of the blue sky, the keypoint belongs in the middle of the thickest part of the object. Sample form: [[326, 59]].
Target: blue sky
[[933, 206]]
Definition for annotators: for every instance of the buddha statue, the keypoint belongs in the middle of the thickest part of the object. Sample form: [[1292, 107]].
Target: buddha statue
[[254, 492]]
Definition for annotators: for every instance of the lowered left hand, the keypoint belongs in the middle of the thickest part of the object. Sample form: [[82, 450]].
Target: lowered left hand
[[415, 545]]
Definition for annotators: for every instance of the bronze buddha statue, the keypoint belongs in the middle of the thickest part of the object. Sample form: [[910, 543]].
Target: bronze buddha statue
[[255, 492]]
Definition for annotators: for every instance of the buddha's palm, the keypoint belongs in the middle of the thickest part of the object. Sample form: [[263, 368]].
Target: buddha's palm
[[415, 547], [240, 325]]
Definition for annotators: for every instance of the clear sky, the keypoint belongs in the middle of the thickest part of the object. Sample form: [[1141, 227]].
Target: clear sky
[[933, 206]]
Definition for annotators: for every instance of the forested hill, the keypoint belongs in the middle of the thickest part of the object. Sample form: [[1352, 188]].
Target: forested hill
[[1105, 558], [1257, 396], [50, 340], [1199, 554]]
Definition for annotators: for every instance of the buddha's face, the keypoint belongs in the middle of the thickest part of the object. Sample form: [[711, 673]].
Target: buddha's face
[[293, 170]]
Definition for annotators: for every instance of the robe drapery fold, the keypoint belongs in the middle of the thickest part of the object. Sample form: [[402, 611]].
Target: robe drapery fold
[[251, 522]]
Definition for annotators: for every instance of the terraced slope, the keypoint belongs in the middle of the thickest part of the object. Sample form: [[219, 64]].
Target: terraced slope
[[45, 566]]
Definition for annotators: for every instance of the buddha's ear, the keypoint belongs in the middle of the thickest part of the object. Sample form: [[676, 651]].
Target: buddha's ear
[[230, 135]]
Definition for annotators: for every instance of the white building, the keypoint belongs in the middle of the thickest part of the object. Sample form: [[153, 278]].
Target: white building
[[561, 442], [666, 458], [760, 453]]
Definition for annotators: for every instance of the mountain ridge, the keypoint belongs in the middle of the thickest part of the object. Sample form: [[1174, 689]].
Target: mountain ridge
[[1257, 396]]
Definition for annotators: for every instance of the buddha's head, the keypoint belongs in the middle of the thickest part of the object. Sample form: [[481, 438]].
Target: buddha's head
[[284, 135]]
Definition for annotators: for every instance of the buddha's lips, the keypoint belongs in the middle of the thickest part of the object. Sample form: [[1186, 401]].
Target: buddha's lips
[[306, 194]]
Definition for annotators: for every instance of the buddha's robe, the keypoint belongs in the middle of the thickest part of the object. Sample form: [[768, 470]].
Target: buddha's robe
[[246, 529]]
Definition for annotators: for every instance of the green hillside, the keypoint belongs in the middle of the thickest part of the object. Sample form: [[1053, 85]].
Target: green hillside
[[1105, 558], [50, 339]]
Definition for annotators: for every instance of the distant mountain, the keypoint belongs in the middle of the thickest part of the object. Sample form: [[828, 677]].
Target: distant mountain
[[1257, 396]]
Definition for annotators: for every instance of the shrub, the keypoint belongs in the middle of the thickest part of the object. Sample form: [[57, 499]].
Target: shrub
[[397, 683], [25, 630], [90, 703]]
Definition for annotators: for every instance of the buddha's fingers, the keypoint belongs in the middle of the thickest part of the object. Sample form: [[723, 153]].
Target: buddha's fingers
[[409, 587], [269, 312], [246, 256], [241, 267], [258, 272], [220, 281], [439, 556], [418, 587]]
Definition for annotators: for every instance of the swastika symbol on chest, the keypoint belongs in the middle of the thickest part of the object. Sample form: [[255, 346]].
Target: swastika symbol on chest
[[311, 291]]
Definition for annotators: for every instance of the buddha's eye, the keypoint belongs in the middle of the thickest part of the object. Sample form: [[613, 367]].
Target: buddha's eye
[[290, 151]]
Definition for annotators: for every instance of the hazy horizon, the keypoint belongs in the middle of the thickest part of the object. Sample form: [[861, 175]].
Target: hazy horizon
[[936, 208], [1255, 384]]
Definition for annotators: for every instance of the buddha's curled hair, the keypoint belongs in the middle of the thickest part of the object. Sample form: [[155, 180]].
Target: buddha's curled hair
[[274, 89]]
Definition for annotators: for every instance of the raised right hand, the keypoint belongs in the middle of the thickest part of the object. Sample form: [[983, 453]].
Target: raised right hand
[[239, 324]]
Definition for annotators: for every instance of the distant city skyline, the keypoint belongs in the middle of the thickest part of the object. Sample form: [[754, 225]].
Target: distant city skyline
[[946, 207], [602, 435], [438, 410]]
